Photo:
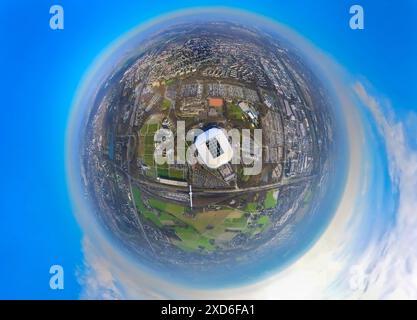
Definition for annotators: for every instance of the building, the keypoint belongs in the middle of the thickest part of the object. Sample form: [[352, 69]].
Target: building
[[215, 102], [214, 149], [227, 172]]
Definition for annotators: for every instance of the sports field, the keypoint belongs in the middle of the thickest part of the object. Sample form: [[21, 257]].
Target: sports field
[[147, 149]]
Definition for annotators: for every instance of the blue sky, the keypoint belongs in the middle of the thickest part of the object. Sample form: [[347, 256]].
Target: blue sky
[[42, 69]]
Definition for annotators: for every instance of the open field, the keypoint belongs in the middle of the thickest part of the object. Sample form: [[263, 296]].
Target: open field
[[191, 240], [270, 201], [235, 112]]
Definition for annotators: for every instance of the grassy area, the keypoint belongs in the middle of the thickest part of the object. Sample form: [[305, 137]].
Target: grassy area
[[260, 225], [251, 207], [193, 234], [166, 104], [148, 160], [308, 196], [167, 172], [152, 128], [147, 132], [160, 218], [149, 144], [241, 175], [235, 112], [198, 233], [162, 170], [215, 218], [169, 82], [263, 223], [192, 240], [270, 201], [219, 109], [172, 214], [147, 149], [140, 206], [213, 224], [208, 224], [176, 174], [169, 207], [236, 223], [263, 220]]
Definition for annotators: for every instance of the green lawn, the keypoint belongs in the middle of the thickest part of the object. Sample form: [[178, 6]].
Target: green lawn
[[148, 159], [236, 223], [168, 207], [270, 202], [235, 112], [159, 219], [260, 225], [193, 234], [140, 206], [166, 104], [152, 128], [147, 133], [169, 82], [176, 174], [263, 220], [191, 240], [251, 207], [164, 171], [243, 177]]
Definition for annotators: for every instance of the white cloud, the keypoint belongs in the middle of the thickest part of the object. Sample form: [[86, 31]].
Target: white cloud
[[391, 263], [96, 279]]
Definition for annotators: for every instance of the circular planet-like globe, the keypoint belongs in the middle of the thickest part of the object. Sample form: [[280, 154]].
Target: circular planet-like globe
[[207, 151]]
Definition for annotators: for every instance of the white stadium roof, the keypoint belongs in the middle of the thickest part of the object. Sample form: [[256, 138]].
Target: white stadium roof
[[213, 147]]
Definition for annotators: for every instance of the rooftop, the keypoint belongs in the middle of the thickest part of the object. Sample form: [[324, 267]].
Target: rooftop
[[213, 147], [215, 102]]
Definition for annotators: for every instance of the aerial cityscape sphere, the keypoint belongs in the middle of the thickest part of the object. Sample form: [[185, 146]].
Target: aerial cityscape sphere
[[208, 151]]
